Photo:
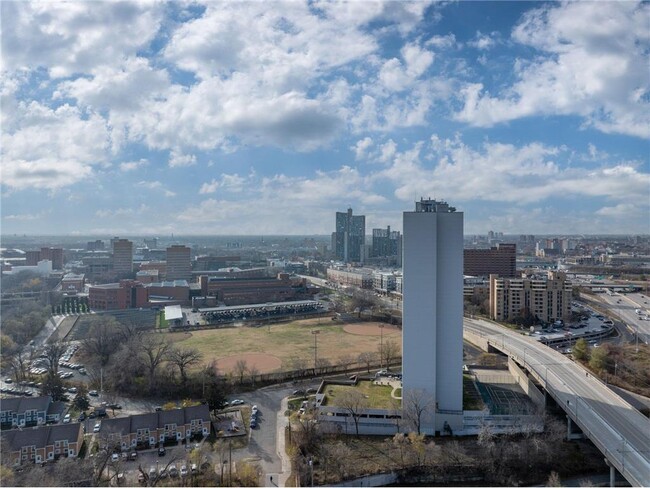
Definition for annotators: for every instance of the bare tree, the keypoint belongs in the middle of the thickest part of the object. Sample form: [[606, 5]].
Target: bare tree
[[183, 359], [253, 372], [103, 339], [240, 369], [367, 358], [389, 350], [553, 479], [53, 353], [154, 350], [354, 403], [417, 407], [322, 364]]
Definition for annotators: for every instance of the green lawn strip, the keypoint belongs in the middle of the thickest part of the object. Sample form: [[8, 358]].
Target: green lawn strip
[[376, 396]]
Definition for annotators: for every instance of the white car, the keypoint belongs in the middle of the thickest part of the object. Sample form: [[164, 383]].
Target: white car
[[97, 427], [237, 402], [115, 457], [183, 470], [66, 418]]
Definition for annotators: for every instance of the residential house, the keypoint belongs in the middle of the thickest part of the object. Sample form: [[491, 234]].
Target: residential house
[[148, 429], [29, 411], [41, 444]]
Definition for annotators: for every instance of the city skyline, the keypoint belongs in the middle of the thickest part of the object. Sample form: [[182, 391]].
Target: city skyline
[[245, 119]]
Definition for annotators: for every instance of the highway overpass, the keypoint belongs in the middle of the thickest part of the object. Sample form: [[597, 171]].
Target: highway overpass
[[621, 432]]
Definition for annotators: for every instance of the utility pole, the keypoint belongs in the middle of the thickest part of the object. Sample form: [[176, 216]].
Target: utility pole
[[315, 333], [229, 462], [381, 346]]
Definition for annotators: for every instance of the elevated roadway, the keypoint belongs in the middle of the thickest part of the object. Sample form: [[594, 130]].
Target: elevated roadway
[[621, 432]]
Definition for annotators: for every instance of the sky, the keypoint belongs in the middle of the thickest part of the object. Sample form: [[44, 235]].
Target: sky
[[136, 118]]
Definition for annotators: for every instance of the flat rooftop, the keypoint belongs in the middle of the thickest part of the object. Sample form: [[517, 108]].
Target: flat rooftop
[[377, 396]]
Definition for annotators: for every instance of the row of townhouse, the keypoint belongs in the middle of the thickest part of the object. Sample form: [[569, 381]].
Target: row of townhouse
[[148, 429], [41, 444], [29, 411]]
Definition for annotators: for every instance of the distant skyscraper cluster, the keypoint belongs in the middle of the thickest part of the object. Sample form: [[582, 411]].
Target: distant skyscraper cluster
[[349, 239]]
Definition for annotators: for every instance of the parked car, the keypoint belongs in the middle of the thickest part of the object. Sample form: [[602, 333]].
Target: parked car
[[173, 471], [97, 427], [66, 418], [82, 417], [298, 392], [194, 469], [253, 423], [161, 451], [254, 409], [133, 455], [115, 457], [237, 402], [183, 470], [152, 472], [93, 393]]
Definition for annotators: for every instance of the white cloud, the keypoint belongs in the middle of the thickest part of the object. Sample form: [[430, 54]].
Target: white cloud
[[133, 165], [499, 172], [51, 148], [74, 37], [441, 42], [178, 159], [387, 151], [620, 210], [210, 187], [484, 42], [361, 147], [593, 64], [27, 216], [156, 185], [121, 212]]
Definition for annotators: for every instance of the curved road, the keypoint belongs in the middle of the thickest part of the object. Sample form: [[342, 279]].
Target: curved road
[[621, 432]]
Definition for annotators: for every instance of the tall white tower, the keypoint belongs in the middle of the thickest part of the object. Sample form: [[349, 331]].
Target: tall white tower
[[432, 332]]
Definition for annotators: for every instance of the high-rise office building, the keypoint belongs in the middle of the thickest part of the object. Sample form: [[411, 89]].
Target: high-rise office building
[[432, 334], [122, 255], [179, 263], [350, 237], [385, 242]]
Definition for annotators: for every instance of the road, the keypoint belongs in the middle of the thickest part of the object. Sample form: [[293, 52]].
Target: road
[[620, 431], [625, 305]]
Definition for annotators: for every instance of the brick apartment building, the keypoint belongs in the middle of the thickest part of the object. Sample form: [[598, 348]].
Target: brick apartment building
[[548, 299], [500, 260], [254, 290]]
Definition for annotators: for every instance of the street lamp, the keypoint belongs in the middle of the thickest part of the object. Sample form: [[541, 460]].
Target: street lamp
[[315, 333]]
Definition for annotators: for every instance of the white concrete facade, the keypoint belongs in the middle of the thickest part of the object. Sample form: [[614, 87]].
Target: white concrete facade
[[432, 331]]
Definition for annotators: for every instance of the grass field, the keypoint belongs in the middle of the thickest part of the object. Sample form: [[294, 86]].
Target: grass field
[[285, 341], [377, 396]]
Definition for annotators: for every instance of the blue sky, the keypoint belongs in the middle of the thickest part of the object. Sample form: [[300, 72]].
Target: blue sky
[[267, 117]]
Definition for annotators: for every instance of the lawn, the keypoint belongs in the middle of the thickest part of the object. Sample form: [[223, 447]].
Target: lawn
[[377, 396], [289, 342]]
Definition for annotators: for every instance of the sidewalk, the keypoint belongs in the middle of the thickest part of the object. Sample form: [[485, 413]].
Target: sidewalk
[[282, 423]]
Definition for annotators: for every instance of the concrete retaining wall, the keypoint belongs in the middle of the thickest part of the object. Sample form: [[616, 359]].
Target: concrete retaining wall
[[526, 384]]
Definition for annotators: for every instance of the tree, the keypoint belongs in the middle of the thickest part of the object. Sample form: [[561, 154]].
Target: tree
[[353, 402], [581, 350], [183, 359], [154, 350], [240, 369], [81, 400], [253, 372], [389, 350], [367, 358], [418, 405], [553, 479], [53, 353], [599, 360], [103, 338], [53, 386]]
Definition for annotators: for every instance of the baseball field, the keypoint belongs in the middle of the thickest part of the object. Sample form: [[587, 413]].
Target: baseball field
[[280, 346]]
